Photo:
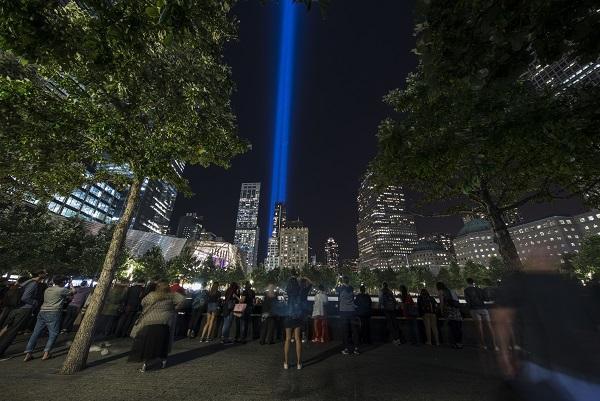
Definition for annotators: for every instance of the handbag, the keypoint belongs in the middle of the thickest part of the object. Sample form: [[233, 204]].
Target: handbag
[[238, 309]]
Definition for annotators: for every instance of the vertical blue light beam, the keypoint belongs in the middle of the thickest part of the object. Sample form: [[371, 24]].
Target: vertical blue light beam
[[283, 110]]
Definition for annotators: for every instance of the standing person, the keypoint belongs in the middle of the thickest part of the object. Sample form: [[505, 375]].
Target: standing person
[[11, 299], [133, 303], [450, 307], [80, 294], [176, 287], [152, 332], [49, 317], [293, 321], [319, 315], [347, 311], [363, 309], [231, 298], [199, 305], [212, 310], [387, 302], [267, 328], [111, 310], [19, 316], [305, 288], [242, 321], [427, 310], [475, 298], [410, 312]]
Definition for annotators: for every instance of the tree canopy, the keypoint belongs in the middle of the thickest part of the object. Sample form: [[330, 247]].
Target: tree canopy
[[473, 132]]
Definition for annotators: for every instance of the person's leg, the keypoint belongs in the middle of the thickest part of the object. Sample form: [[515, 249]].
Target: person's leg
[[53, 324], [316, 325], [354, 331], [427, 324], [226, 326], [298, 337], [5, 312], [347, 323], [477, 319], [286, 346], [414, 333], [488, 323], [434, 328], [40, 325]]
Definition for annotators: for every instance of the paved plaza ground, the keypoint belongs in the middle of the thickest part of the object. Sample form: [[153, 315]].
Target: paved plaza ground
[[212, 371]]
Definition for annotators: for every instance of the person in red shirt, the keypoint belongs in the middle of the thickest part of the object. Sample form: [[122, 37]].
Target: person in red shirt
[[176, 287]]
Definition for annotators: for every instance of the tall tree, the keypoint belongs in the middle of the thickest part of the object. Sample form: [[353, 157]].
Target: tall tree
[[485, 139], [155, 90], [587, 262]]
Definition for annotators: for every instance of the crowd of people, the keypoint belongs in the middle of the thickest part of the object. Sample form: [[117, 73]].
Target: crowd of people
[[155, 312]]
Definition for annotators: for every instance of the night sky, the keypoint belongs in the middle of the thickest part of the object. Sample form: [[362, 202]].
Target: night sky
[[345, 63]]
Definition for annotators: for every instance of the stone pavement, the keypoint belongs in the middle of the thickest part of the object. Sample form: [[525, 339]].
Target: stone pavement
[[211, 371]]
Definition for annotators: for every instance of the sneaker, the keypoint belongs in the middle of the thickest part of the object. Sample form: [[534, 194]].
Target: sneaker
[[356, 351], [299, 366], [303, 340], [322, 341], [285, 366], [346, 351], [163, 364], [315, 340], [497, 349]]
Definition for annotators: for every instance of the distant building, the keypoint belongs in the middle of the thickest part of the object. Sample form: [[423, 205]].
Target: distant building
[[445, 240], [564, 73], [431, 255], [139, 242], [246, 226], [189, 226], [547, 239], [224, 254], [588, 223], [293, 248], [279, 220], [100, 202], [511, 217], [386, 232], [155, 207], [332, 254]]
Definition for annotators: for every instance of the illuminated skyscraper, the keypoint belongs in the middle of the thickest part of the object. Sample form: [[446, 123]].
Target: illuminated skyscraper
[[189, 226], [157, 200], [293, 245], [332, 255], [279, 219], [246, 227], [386, 233]]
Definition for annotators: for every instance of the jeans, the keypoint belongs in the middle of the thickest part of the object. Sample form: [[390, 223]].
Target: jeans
[[365, 329], [267, 330], [242, 323], [196, 319], [51, 320], [393, 326], [125, 323], [455, 331], [226, 325], [350, 331], [413, 333]]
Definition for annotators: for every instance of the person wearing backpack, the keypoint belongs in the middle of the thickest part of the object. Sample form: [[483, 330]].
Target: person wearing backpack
[[475, 298], [388, 303], [427, 310], [199, 306], [450, 308]]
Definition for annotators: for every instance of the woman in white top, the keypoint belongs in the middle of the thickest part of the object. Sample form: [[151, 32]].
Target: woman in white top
[[320, 315]]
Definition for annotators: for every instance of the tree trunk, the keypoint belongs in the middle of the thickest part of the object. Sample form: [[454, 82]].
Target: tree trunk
[[506, 246], [78, 352]]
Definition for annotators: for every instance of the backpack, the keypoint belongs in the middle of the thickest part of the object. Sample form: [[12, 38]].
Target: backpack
[[12, 297]]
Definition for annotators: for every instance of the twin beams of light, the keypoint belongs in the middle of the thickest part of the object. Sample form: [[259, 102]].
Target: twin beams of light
[[283, 110]]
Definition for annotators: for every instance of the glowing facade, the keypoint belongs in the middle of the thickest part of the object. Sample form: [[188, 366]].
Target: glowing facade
[[386, 233], [246, 227], [279, 219], [332, 254]]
